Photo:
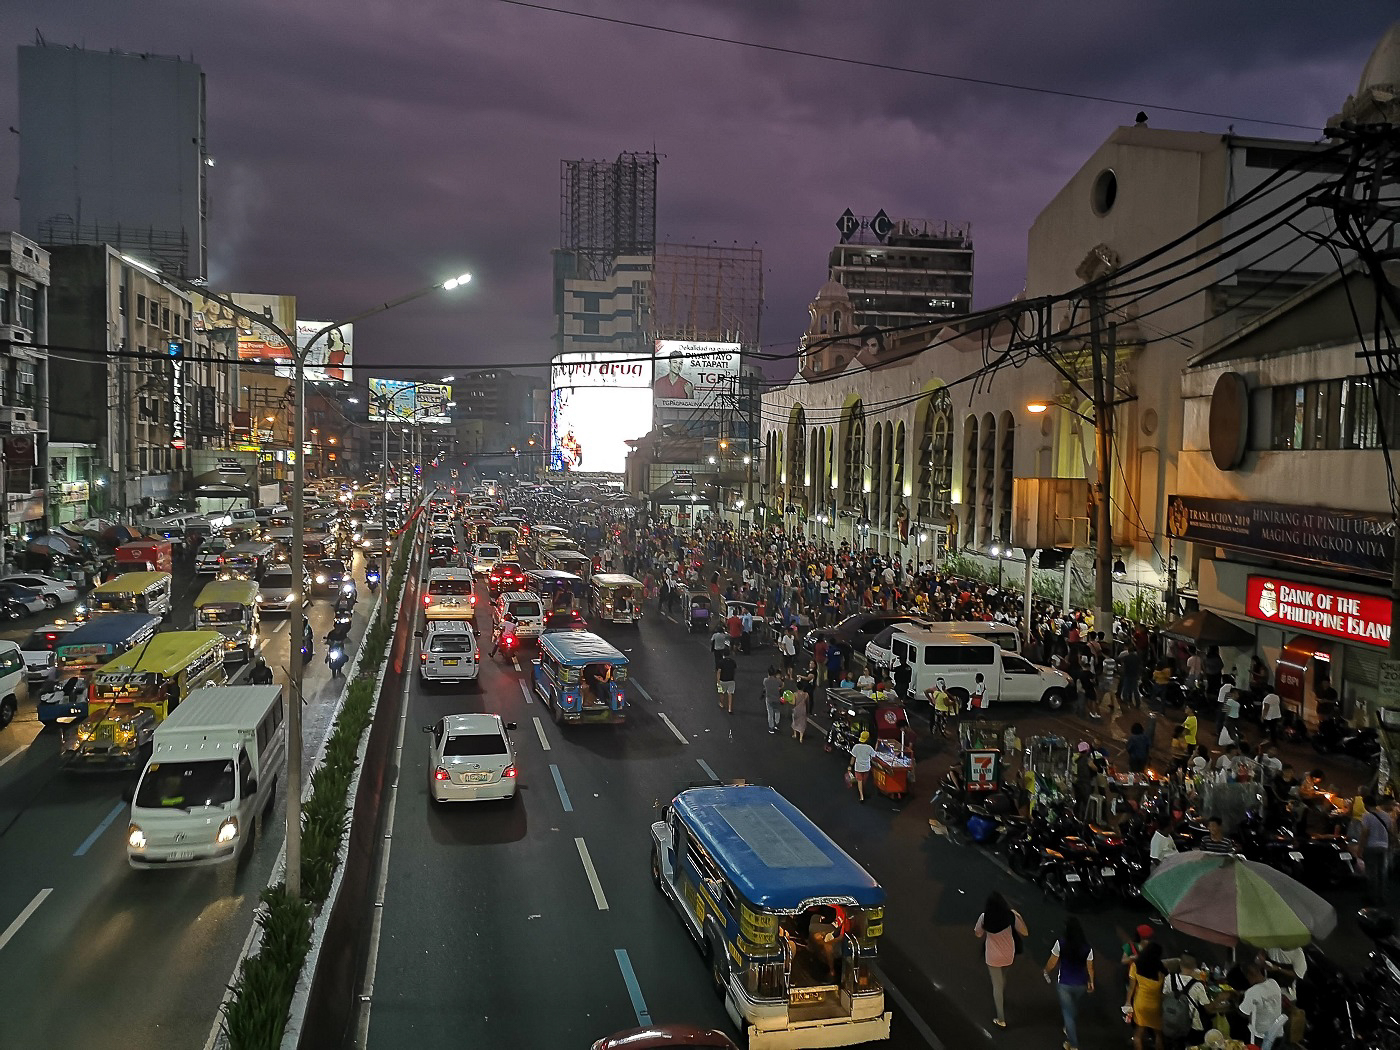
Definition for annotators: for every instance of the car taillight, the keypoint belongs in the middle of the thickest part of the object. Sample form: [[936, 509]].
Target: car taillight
[[473, 599], [508, 772], [427, 599], [441, 774]]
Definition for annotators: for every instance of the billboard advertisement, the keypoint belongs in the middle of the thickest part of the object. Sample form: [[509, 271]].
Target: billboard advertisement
[[694, 376], [331, 355], [597, 403], [404, 401], [239, 331]]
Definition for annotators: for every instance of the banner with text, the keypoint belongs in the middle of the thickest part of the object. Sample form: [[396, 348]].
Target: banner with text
[[694, 377], [1355, 617], [1347, 539]]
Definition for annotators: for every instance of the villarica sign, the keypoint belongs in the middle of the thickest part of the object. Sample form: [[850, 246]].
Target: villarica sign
[[1318, 535]]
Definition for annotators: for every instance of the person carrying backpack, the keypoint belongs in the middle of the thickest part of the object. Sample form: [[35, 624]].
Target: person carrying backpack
[[1184, 997]]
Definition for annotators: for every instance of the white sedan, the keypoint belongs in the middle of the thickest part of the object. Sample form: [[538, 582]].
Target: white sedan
[[54, 592], [471, 759]]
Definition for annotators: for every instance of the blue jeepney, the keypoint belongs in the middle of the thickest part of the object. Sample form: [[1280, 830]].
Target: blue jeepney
[[787, 921], [82, 652], [580, 677]]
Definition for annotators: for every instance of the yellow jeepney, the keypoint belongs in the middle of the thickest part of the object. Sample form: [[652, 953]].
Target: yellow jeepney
[[614, 597], [231, 608], [132, 694], [133, 592]]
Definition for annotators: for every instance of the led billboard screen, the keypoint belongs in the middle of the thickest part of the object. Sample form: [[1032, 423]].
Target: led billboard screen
[[404, 401], [597, 403]]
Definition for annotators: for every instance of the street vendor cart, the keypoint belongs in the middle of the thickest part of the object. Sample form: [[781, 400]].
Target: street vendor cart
[[893, 764], [850, 712]]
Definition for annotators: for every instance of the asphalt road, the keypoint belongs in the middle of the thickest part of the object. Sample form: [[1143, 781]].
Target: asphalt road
[[493, 933], [93, 953]]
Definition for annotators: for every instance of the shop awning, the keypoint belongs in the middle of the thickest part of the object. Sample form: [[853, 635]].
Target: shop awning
[[1207, 628]]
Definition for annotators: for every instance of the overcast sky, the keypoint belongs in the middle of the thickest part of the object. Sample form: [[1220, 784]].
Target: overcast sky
[[367, 147]]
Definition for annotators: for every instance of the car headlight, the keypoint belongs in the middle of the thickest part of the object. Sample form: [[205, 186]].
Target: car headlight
[[260, 598], [228, 831], [125, 735], [86, 732], [135, 837], [320, 579]]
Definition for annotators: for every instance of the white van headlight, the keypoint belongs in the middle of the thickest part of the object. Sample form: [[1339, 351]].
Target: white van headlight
[[135, 837], [228, 831]]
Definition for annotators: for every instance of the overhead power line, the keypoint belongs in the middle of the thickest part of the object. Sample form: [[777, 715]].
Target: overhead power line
[[892, 68]]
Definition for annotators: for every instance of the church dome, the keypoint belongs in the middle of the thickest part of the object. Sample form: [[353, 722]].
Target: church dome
[[1382, 69], [834, 290]]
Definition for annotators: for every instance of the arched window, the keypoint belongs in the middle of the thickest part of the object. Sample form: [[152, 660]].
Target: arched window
[[797, 451], [877, 474], [853, 462], [935, 458], [836, 322], [1006, 473], [823, 324]]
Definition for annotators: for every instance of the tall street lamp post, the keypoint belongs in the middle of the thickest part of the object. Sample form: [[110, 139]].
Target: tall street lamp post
[[298, 554]]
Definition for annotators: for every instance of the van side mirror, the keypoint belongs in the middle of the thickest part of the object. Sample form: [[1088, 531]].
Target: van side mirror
[[510, 726], [251, 787], [418, 634], [427, 729]]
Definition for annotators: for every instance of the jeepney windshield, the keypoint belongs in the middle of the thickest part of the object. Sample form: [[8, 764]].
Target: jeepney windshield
[[182, 785], [110, 602], [213, 615]]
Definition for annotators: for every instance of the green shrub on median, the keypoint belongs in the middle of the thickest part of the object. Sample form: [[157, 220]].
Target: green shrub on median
[[257, 1014]]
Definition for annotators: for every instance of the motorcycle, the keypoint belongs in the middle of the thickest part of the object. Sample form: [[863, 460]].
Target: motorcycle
[[337, 657], [372, 580], [1335, 736], [1065, 865]]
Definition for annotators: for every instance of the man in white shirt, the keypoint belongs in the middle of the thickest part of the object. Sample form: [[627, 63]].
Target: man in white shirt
[[1262, 1003], [1162, 845], [865, 683], [1271, 714]]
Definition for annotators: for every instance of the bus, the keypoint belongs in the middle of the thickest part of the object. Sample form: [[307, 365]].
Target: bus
[[231, 608], [134, 693], [83, 651], [786, 920], [580, 677], [132, 592]]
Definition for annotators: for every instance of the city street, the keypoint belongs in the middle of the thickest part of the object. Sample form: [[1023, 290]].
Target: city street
[[147, 954], [488, 904]]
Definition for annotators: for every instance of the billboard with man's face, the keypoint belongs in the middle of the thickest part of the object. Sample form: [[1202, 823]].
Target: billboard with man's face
[[597, 403], [694, 376]]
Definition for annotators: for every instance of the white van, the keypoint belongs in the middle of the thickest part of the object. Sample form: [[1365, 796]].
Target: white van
[[14, 681], [961, 659], [448, 653], [214, 767], [526, 610]]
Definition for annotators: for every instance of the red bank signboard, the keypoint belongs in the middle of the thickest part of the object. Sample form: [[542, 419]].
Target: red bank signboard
[[1363, 618]]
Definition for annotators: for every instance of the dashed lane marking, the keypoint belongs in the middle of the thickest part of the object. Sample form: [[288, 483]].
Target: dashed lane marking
[[88, 842], [539, 728], [563, 794], [592, 874], [30, 909], [634, 989], [672, 727], [708, 771], [529, 693]]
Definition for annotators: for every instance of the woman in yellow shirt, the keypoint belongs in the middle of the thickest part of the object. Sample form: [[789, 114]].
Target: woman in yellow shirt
[[1190, 726], [1145, 977]]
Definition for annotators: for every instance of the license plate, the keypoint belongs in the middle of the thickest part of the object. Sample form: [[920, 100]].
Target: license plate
[[1071, 877], [184, 854], [449, 663], [1293, 854], [476, 778], [1107, 872]]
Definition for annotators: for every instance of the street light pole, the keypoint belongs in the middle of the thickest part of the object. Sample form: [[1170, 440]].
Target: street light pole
[[295, 672]]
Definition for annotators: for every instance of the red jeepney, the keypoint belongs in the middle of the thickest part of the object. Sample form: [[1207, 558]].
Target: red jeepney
[[149, 553]]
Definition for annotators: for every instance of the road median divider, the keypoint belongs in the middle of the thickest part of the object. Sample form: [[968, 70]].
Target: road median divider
[[286, 988]]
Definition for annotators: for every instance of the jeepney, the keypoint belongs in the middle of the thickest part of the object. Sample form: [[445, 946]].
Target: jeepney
[[231, 608], [786, 920], [132, 695], [614, 597]]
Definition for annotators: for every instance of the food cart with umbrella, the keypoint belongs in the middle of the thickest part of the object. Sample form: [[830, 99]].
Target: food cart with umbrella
[[1226, 899], [892, 766]]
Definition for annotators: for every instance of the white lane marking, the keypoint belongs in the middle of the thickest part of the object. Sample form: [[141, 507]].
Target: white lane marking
[[33, 906], [708, 771], [117, 811], [638, 686], [634, 988], [563, 793], [284, 625], [539, 728], [592, 874], [672, 727], [529, 693], [516, 663], [14, 755]]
